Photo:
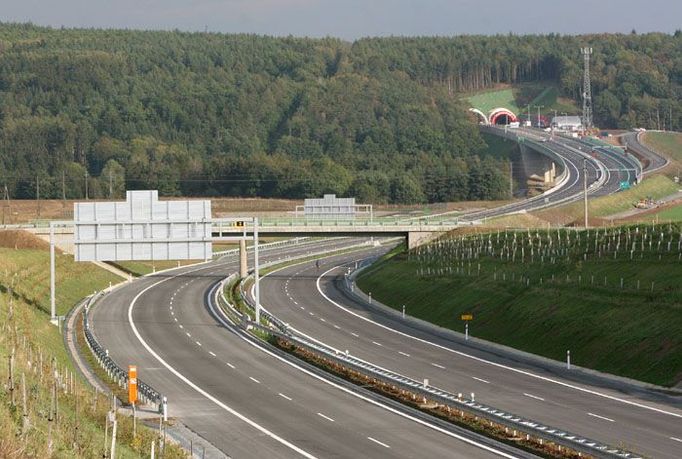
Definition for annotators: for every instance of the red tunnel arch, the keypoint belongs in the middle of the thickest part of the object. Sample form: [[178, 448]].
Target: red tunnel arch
[[496, 113]]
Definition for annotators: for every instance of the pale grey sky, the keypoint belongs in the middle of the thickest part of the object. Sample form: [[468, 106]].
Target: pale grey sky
[[350, 19]]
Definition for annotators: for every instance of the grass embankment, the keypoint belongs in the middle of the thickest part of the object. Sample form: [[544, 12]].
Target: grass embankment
[[551, 291], [673, 214], [667, 143], [602, 207], [486, 101], [77, 427], [518, 97]]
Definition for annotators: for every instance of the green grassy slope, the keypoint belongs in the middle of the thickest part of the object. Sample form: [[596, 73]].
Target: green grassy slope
[[78, 430], [552, 298], [518, 97], [656, 187], [674, 214], [667, 143], [486, 101]]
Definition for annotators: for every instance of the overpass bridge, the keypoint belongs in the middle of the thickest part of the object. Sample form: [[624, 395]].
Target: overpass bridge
[[415, 231]]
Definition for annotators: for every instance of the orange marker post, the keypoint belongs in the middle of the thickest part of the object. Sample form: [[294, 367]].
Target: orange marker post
[[132, 384]]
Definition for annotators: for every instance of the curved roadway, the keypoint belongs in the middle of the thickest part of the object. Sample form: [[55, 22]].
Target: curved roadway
[[653, 160], [309, 300], [246, 402]]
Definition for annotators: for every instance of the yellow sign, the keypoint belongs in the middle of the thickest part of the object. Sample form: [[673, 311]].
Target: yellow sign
[[467, 317], [132, 384], [238, 224]]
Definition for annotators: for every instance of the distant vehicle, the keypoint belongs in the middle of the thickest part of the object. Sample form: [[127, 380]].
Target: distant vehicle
[[514, 125], [639, 130]]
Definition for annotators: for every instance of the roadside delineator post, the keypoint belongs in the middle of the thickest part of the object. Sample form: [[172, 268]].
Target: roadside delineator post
[[132, 384]]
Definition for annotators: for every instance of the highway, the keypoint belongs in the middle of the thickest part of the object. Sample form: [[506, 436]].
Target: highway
[[246, 402], [569, 191], [311, 302], [250, 403], [654, 162]]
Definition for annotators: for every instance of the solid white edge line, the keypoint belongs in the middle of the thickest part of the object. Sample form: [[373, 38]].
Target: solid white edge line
[[495, 364], [197, 388], [469, 441]]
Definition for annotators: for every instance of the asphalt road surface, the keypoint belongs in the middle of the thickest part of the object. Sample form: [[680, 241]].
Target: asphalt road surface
[[244, 401], [308, 299]]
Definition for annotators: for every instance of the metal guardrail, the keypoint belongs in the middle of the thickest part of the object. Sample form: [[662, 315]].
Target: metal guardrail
[[527, 426], [275, 244], [146, 393]]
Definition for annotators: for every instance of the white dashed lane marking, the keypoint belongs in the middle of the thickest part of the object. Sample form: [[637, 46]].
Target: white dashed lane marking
[[403, 353], [378, 442], [355, 334], [378, 344], [326, 417], [229, 365], [212, 353], [438, 366], [482, 380], [284, 396], [600, 417], [534, 396], [254, 380]]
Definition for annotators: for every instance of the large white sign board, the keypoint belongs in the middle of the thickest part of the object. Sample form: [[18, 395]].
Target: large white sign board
[[142, 228]]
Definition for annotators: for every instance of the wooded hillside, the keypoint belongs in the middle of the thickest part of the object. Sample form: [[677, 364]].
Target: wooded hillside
[[245, 115]]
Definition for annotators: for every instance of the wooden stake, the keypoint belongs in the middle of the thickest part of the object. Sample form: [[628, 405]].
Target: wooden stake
[[11, 378], [25, 421]]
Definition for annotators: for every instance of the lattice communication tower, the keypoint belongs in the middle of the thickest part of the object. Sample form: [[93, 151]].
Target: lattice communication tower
[[587, 89]]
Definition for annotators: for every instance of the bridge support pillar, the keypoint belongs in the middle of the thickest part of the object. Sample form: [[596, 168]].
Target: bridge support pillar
[[417, 238], [243, 264]]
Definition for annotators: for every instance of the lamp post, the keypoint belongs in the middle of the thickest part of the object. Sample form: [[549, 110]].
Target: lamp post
[[539, 107]]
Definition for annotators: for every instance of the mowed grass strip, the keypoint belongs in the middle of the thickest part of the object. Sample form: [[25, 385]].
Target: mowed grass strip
[[551, 306]]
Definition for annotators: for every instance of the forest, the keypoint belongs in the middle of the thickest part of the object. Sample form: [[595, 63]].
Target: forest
[[94, 112]]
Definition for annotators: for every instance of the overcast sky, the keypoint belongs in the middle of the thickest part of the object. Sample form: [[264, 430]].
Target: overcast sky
[[350, 19]]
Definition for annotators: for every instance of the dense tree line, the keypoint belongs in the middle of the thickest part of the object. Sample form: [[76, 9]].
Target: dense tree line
[[245, 115]]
